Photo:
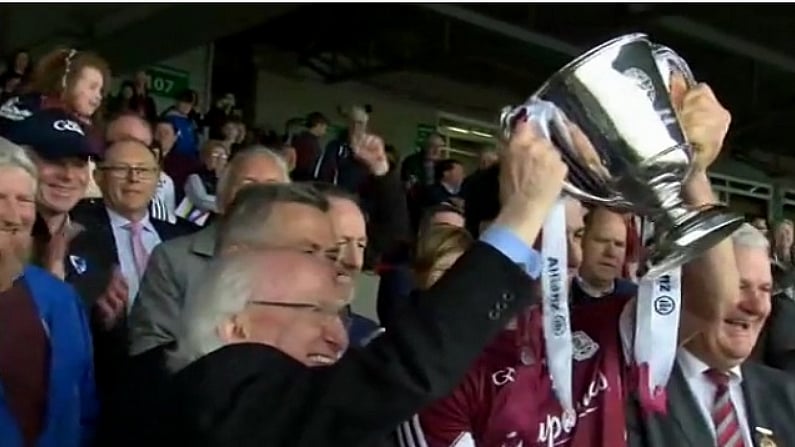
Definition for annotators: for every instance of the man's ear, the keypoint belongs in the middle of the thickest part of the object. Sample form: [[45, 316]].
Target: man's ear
[[234, 329]]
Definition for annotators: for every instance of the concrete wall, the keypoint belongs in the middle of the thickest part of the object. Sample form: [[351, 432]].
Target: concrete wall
[[280, 98], [194, 61]]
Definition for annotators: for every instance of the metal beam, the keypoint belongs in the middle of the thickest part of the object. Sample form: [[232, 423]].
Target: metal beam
[[503, 28], [728, 42], [164, 33], [365, 72]]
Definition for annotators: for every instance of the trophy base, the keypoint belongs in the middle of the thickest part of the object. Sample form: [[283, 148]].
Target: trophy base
[[693, 233]]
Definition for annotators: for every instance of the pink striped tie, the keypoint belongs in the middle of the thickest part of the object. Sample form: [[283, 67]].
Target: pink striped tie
[[139, 251], [724, 415]]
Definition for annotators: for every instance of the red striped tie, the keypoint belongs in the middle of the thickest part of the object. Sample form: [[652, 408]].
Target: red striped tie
[[724, 415]]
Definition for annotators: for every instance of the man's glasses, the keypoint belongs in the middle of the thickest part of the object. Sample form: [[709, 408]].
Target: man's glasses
[[123, 172], [321, 310]]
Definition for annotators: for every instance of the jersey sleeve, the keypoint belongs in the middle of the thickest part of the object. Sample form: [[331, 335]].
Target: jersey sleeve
[[448, 422]]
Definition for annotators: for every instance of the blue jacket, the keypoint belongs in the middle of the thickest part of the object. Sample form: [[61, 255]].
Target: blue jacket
[[72, 405], [187, 137]]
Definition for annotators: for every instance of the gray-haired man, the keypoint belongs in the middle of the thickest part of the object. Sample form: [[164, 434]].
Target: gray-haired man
[[176, 264]]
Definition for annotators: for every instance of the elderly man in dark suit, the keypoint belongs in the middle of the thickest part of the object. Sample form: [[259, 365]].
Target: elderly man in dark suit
[[715, 396], [261, 362]]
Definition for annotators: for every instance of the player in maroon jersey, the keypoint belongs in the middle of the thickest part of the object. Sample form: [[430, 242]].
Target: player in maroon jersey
[[507, 399]]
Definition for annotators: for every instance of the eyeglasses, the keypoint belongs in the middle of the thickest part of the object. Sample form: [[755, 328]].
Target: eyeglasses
[[123, 172], [326, 310]]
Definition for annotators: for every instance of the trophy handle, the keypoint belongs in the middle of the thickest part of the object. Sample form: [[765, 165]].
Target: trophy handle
[[548, 117], [669, 61]]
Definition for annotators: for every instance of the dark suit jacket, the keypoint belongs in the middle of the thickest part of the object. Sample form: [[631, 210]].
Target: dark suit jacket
[[776, 344], [253, 395], [97, 246], [128, 411], [769, 398], [384, 201], [436, 194]]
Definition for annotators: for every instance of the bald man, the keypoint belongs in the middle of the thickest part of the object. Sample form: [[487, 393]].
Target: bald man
[[124, 126], [604, 246], [129, 126]]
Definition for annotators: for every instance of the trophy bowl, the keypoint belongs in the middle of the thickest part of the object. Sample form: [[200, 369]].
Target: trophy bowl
[[609, 112]]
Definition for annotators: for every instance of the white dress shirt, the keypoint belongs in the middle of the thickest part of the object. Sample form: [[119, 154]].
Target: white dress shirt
[[704, 391], [124, 250]]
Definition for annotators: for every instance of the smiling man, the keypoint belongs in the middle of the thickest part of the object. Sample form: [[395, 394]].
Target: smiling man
[[716, 397], [60, 149], [118, 238]]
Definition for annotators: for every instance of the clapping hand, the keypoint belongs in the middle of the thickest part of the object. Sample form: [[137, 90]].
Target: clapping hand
[[58, 248], [112, 304]]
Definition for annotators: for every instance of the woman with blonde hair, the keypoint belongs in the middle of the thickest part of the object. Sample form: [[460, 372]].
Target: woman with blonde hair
[[437, 250]]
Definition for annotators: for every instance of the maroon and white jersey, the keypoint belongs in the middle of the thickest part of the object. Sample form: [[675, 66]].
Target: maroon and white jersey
[[507, 400]]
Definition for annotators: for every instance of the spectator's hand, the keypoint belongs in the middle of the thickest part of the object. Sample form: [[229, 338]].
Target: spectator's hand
[[113, 302], [370, 150], [704, 120], [58, 248], [531, 179]]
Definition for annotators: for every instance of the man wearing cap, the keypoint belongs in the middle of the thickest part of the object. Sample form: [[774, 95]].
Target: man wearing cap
[[60, 149], [46, 375]]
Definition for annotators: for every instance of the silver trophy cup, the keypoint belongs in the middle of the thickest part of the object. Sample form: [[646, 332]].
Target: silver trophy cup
[[610, 114]]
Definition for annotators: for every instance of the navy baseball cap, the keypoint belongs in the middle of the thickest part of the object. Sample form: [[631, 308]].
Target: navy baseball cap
[[53, 134]]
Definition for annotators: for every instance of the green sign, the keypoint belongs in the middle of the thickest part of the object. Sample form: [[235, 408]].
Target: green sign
[[423, 132], [166, 81]]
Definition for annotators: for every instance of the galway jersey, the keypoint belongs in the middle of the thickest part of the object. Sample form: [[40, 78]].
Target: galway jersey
[[507, 397]]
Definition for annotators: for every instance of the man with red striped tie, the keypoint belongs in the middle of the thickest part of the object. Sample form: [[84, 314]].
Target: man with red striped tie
[[716, 397]]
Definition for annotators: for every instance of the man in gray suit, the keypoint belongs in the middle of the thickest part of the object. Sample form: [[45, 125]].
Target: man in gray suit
[[716, 397], [176, 264]]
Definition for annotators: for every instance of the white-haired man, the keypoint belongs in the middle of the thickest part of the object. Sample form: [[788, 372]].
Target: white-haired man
[[46, 367], [716, 397], [174, 265], [279, 215], [269, 397]]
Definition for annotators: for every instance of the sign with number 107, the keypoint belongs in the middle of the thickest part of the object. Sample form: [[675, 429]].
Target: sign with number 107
[[166, 81]]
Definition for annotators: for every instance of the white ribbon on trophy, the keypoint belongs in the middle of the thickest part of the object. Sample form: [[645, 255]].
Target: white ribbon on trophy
[[555, 309], [555, 284], [657, 311]]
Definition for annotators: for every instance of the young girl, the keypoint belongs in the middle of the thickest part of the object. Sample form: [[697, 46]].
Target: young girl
[[66, 79]]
